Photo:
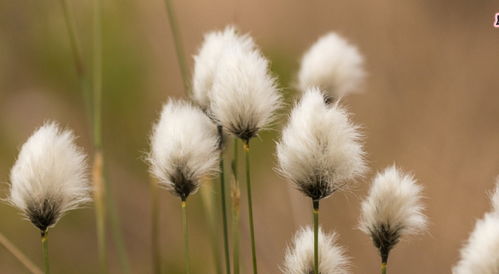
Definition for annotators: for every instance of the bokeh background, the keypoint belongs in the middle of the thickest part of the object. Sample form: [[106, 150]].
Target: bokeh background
[[431, 105]]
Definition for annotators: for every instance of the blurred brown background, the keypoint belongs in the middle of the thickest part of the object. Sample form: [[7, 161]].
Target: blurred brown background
[[431, 105]]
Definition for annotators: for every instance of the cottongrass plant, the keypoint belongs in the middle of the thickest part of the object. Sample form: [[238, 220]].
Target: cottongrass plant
[[49, 179], [184, 150], [299, 257], [391, 210], [332, 64], [205, 71], [320, 152], [208, 57], [243, 100], [480, 254]]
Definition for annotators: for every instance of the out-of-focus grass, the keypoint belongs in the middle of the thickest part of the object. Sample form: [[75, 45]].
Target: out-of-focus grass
[[430, 106]]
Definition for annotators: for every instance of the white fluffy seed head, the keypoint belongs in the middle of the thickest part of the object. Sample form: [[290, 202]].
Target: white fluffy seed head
[[205, 62], [332, 64], [300, 255], [184, 148], [244, 97], [49, 177], [480, 254], [392, 209], [494, 198], [320, 149]]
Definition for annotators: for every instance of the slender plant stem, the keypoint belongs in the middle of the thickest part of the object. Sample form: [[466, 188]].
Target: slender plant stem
[[250, 206], [156, 255], [81, 70], [179, 49], [383, 268], [97, 76], [186, 236], [117, 235], [100, 210], [235, 195], [19, 255], [105, 197], [224, 213], [45, 252], [316, 235], [208, 196], [99, 187]]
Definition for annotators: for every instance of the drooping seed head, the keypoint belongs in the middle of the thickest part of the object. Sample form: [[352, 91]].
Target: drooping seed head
[[392, 209], [333, 65], [49, 177], [320, 149], [184, 148], [299, 257]]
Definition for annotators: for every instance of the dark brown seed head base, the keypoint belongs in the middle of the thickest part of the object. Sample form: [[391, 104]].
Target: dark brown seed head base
[[317, 190], [44, 214], [182, 186], [385, 237]]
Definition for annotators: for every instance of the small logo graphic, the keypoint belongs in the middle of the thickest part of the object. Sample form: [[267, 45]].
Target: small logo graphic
[[496, 20]]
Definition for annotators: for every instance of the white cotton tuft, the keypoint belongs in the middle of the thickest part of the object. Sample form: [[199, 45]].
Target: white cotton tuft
[[392, 209], [184, 148], [49, 177], [333, 65], [480, 255], [320, 148], [300, 256], [209, 54], [244, 97], [494, 198]]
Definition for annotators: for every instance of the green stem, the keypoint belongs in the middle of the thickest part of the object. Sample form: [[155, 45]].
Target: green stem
[[156, 256], [77, 55], [97, 76], [45, 251], [316, 236], [179, 49], [117, 235], [105, 196], [224, 213], [208, 197], [235, 195], [100, 210], [99, 182], [186, 236], [383, 268], [250, 206]]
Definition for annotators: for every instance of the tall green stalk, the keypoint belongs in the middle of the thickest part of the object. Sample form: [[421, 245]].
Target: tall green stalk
[[224, 213], [99, 183], [235, 195], [383, 268], [104, 199], [316, 235], [179, 49], [45, 252], [250, 206], [186, 237], [156, 257], [81, 70], [208, 196], [93, 106]]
